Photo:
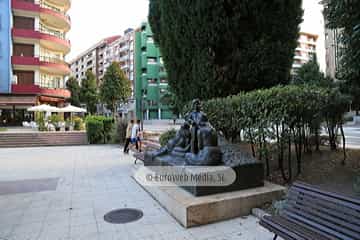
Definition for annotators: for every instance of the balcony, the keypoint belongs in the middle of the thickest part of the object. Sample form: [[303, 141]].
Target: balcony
[[50, 40], [42, 63], [50, 15], [62, 3], [35, 89]]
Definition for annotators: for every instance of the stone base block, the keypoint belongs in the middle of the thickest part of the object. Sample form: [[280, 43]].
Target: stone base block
[[192, 211]]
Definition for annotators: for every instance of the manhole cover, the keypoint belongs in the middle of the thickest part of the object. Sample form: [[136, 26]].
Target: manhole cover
[[124, 215]]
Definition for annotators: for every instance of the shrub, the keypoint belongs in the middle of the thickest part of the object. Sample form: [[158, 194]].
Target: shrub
[[280, 118], [108, 128], [40, 121], [166, 136], [98, 129], [55, 119], [78, 124], [94, 129]]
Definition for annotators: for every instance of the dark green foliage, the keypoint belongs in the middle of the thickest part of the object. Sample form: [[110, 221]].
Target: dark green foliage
[[273, 119], [94, 129], [310, 73], [115, 87], [108, 128], [88, 92], [78, 124], [171, 100], [166, 136], [220, 47], [344, 15], [73, 86], [98, 129], [40, 121]]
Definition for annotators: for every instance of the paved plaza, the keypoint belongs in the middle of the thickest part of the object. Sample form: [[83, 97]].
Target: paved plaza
[[89, 182]]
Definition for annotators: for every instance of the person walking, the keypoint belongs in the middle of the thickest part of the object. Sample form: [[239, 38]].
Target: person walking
[[134, 134], [139, 136], [128, 136]]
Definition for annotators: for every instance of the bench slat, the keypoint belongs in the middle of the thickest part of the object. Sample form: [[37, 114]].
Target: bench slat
[[328, 229], [314, 214], [331, 194], [314, 204], [350, 205], [338, 207], [293, 229]]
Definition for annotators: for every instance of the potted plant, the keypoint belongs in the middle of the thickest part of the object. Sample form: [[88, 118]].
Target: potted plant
[[55, 120]]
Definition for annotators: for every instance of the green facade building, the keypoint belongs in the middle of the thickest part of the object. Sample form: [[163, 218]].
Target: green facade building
[[150, 77]]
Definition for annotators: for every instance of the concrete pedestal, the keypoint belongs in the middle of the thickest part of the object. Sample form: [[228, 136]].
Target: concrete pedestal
[[191, 211]]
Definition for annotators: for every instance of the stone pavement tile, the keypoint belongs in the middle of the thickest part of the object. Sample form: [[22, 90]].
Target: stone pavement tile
[[27, 231], [55, 232], [83, 232], [94, 180]]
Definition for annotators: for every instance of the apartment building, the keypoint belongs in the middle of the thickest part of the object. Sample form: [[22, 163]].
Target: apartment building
[[99, 57], [305, 50], [33, 47], [150, 77], [92, 59]]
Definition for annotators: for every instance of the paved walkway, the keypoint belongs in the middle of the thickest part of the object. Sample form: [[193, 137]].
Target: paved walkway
[[91, 181]]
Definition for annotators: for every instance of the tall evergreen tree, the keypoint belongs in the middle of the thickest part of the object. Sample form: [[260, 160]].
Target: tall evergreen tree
[[344, 15], [310, 73], [220, 47], [88, 92], [115, 88], [73, 86]]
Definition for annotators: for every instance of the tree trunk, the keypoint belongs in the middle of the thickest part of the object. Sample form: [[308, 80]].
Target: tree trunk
[[266, 156], [344, 144], [289, 156], [252, 143]]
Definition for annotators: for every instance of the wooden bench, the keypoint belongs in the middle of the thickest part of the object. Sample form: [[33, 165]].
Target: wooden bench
[[314, 214], [147, 145]]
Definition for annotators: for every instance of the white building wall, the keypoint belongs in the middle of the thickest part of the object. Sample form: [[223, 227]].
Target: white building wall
[[314, 23]]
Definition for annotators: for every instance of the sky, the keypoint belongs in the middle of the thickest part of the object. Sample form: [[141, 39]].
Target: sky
[[93, 20]]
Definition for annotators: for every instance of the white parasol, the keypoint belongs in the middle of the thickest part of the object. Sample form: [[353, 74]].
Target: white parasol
[[72, 109]]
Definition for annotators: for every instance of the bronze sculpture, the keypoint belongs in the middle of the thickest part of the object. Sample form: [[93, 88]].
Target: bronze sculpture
[[196, 144]]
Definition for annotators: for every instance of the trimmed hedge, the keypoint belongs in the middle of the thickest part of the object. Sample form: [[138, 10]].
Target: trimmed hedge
[[99, 129], [275, 120]]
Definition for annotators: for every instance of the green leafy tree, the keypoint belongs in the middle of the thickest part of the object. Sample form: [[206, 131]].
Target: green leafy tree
[[73, 86], [310, 73], [220, 47], [88, 92], [344, 15], [115, 87]]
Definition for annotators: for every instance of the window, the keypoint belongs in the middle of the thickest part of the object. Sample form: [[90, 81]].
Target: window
[[151, 60], [151, 80], [150, 39], [163, 80]]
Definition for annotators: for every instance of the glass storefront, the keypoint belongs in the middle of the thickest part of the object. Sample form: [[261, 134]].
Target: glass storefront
[[14, 117]]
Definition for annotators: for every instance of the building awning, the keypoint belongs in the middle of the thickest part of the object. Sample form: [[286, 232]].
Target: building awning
[[45, 99], [17, 100]]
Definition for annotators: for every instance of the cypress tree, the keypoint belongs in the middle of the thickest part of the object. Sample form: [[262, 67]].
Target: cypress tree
[[220, 47]]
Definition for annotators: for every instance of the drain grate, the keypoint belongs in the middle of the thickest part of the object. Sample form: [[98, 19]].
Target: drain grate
[[124, 215]]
